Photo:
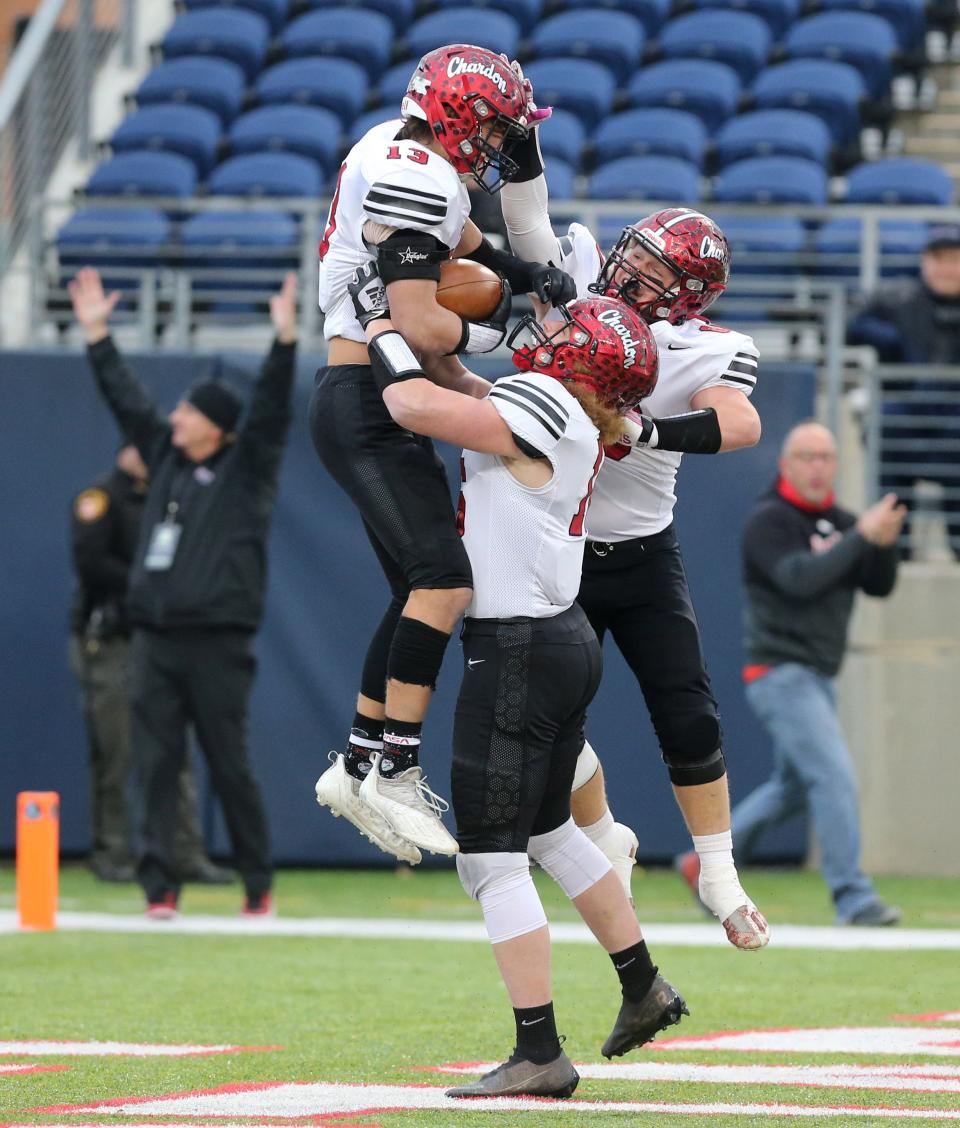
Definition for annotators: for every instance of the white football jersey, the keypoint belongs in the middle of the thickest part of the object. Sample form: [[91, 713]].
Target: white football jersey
[[635, 493], [396, 183], [526, 545]]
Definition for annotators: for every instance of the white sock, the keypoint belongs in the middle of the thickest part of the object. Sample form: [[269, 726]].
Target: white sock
[[715, 851], [596, 831]]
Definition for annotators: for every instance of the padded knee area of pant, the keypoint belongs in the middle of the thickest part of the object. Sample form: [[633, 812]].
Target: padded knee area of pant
[[570, 858], [501, 882], [692, 751], [587, 764]]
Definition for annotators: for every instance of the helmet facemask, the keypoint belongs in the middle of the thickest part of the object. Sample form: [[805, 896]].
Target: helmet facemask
[[621, 278]]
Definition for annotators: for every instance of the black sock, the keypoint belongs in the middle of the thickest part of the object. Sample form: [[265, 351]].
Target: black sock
[[401, 746], [635, 969], [537, 1033], [366, 737]]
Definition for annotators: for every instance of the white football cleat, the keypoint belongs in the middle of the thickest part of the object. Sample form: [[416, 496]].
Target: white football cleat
[[745, 926], [339, 791], [409, 808], [619, 846]]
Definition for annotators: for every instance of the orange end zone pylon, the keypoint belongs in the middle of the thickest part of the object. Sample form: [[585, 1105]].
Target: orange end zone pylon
[[38, 858]]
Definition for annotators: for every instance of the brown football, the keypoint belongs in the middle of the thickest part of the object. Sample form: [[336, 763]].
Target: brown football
[[468, 288]]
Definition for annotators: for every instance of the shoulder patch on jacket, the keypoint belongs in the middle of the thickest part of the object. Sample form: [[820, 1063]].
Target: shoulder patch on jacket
[[91, 505]]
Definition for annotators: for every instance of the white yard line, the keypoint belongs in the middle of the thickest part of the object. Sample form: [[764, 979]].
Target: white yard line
[[394, 928]]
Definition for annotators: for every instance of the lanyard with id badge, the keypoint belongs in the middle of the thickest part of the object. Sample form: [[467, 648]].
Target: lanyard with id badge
[[163, 541], [166, 534]]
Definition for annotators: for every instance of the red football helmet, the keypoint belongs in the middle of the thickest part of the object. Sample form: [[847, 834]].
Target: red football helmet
[[603, 344], [689, 244], [468, 95]]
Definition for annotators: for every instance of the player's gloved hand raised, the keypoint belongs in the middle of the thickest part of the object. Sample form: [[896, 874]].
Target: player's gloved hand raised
[[369, 295], [484, 336], [551, 284]]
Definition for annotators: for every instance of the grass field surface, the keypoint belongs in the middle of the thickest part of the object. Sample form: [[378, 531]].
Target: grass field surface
[[384, 1016]]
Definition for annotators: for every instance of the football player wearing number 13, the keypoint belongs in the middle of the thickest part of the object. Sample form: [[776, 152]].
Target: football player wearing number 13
[[531, 660], [400, 202], [669, 266]]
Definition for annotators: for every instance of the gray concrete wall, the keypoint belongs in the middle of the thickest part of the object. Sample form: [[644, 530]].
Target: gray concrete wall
[[899, 696]]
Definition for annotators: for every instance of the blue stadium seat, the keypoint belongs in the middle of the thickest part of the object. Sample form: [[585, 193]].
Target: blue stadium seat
[[367, 121], [767, 133], [772, 180], [215, 244], [615, 39], [646, 178], [142, 173], [344, 33], [709, 90], [525, 12], [864, 41], [739, 39], [393, 85], [273, 11], [637, 133], [491, 29], [560, 180], [651, 13], [778, 14], [774, 242], [839, 243], [899, 180], [338, 84], [213, 83], [562, 135], [908, 18], [133, 237], [832, 91], [266, 174], [399, 11], [233, 34], [174, 128], [583, 88], [308, 130], [231, 231]]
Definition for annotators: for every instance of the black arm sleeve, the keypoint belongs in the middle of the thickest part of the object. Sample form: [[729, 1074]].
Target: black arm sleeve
[[694, 432], [517, 272], [136, 414], [410, 254], [264, 434]]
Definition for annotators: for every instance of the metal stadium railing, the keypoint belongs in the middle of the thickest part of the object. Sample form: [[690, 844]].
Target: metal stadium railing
[[45, 100]]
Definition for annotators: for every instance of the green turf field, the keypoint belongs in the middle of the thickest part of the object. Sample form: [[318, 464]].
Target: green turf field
[[377, 1011]]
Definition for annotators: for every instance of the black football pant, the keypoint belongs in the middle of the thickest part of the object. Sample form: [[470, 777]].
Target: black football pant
[[201, 678], [518, 726], [637, 590], [399, 486]]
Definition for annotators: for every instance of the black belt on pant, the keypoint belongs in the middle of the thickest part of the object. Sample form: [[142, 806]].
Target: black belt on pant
[[624, 551]]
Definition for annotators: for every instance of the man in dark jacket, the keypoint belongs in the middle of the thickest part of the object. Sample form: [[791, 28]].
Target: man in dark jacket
[[104, 529], [917, 321], [804, 560], [197, 584]]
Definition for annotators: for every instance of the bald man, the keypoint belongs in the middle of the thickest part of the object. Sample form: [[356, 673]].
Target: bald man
[[804, 560]]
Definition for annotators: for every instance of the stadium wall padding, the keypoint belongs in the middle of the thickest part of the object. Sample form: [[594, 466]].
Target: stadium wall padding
[[325, 596]]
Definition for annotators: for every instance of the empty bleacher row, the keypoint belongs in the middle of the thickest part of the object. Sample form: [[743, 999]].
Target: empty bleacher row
[[702, 101]]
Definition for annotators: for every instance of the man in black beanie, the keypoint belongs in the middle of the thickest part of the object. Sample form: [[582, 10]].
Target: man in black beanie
[[196, 588]]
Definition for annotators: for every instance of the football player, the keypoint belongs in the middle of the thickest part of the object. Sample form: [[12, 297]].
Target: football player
[[400, 201], [670, 267], [534, 447]]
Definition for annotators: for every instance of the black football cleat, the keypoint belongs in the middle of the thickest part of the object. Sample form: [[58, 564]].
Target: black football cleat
[[638, 1023], [519, 1076]]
